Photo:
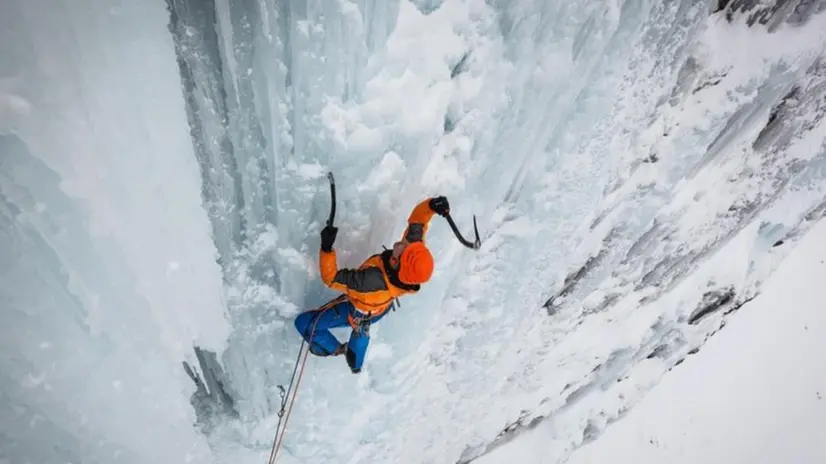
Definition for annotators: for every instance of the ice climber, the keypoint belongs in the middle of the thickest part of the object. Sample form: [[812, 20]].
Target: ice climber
[[369, 291]]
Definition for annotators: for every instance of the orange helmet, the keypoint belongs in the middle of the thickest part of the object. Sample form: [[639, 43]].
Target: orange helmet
[[416, 264]]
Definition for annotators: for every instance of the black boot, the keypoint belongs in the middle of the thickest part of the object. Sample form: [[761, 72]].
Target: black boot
[[351, 360]]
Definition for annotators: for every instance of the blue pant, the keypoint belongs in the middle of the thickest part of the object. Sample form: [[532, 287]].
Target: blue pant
[[314, 326]]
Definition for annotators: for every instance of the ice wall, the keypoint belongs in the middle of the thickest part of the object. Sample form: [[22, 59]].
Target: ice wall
[[109, 275]]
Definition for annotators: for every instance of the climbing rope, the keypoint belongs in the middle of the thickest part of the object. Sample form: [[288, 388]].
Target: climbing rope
[[279, 437], [284, 395]]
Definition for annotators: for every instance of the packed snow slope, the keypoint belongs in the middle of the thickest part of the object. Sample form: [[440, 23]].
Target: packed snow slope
[[753, 394], [638, 169]]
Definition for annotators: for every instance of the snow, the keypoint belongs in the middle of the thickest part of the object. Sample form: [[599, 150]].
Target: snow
[[162, 191], [753, 393]]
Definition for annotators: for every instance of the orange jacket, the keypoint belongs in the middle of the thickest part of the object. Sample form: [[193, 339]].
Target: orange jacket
[[375, 284]]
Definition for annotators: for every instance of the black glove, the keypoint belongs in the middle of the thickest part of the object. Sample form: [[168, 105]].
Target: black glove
[[328, 237], [440, 206]]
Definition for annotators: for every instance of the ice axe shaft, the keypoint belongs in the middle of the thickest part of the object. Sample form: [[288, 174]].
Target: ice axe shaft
[[476, 244], [332, 199]]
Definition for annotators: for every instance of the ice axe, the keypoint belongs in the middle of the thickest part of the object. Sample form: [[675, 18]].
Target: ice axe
[[332, 199], [476, 244]]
